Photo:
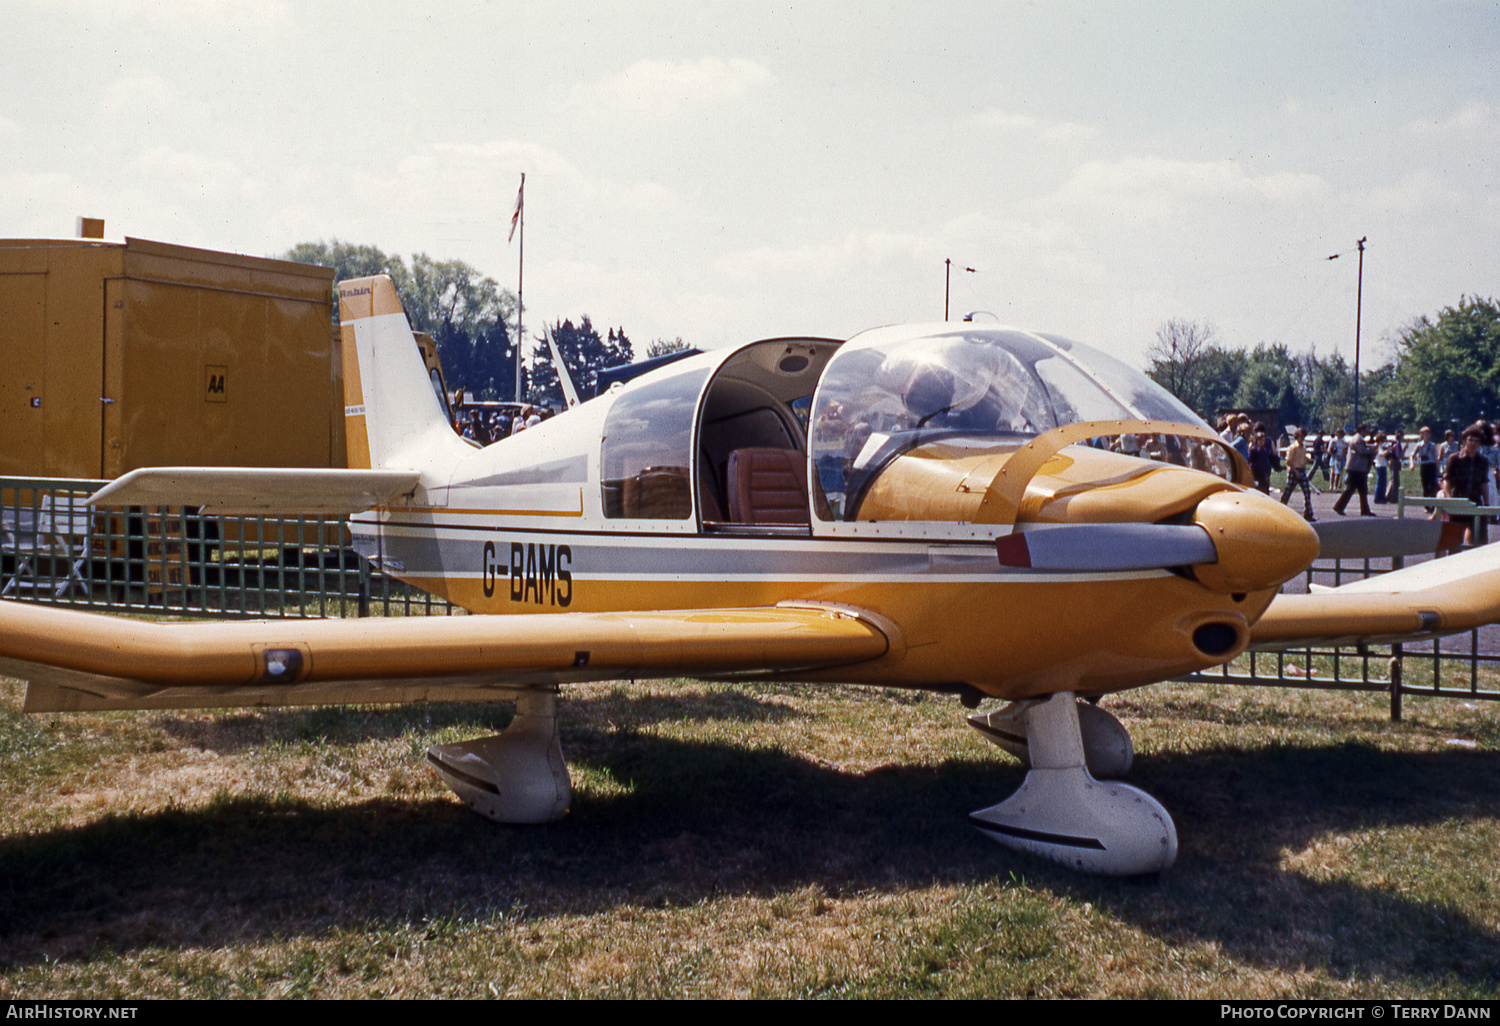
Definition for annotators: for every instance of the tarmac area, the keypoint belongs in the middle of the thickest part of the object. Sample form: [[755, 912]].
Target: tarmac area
[[1324, 495]]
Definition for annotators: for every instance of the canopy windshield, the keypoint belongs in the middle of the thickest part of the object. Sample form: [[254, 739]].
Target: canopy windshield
[[892, 389]]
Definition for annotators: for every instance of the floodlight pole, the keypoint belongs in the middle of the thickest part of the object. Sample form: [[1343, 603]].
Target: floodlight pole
[[948, 281]]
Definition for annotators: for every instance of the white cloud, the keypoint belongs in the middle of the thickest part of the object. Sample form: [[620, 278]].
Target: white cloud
[[1061, 132], [1150, 187], [1068, 132], [196, 174], [1473, 118], [128, 95], [1002, 120], [217, 15], [477, 182], [652, 86], [145, 99], [31, 204], [833, 259], [1490, 210], [1414, 192]]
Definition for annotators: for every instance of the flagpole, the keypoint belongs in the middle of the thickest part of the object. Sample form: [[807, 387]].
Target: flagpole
[[520, 282]]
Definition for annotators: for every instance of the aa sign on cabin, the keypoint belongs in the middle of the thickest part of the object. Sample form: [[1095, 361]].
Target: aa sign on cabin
[[119, 355]]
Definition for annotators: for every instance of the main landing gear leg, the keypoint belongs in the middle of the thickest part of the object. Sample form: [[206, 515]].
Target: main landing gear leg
[[1062, 812], [1107, 750], [515, 777]]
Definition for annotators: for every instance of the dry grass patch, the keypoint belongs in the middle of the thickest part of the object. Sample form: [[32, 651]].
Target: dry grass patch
[[739, 842]]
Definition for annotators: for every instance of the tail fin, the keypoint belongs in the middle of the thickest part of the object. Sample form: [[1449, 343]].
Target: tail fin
[[392, 416], [569, 392]]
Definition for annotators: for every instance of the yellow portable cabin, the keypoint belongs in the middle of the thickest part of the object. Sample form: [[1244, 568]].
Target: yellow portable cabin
[[118, 355]]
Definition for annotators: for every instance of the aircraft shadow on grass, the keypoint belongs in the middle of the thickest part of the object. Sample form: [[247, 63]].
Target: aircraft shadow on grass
[[666, 822], [233, 731]]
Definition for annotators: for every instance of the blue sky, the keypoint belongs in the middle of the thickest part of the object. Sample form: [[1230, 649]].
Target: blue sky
[[722, 171]]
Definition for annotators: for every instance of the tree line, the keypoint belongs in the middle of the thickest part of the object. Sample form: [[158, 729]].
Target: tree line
[[469, 316], [1445, 372]]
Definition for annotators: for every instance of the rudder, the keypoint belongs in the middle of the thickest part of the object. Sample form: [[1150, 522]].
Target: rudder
[[392, 417]]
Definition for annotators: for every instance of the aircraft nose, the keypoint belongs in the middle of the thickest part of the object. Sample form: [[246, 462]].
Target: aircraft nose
[[1259, 541]]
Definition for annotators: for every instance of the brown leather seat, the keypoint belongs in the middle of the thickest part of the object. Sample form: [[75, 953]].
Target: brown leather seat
[[657, 493], [767, 486]]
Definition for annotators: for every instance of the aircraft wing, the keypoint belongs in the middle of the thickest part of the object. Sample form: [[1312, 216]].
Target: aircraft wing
[[1441, 596], [76, 661], [259, 490]]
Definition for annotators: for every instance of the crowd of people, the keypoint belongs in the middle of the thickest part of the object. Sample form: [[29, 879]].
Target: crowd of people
[[488, 427], [1463, 465]]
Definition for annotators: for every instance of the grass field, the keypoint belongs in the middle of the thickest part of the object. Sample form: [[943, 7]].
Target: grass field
[[752, 841]]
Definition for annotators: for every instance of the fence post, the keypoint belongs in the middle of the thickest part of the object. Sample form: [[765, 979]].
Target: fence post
[[1395, 676], [1397, 563]]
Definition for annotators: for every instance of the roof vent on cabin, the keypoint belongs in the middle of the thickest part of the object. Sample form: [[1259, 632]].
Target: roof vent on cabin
[[91, 227]]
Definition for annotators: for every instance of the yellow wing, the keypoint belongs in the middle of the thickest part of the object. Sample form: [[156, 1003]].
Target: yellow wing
[[76, 661], [1455, 593]]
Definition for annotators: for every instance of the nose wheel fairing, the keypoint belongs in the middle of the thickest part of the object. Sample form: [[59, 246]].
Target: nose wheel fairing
[[1062, 812]]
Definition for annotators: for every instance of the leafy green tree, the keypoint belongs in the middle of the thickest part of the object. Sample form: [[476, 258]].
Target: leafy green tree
[[466, 313], [352, 261], [1177, 354], [1447, 370], [1187, 360], [1328, 387], [1219, 379], [585, 354], [1269, 383], [1378, 402]]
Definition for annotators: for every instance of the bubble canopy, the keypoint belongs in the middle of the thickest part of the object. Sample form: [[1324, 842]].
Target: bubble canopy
[[891, 390]]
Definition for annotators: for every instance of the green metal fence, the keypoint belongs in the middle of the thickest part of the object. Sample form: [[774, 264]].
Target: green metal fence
[[1465, 665], [56, 548]]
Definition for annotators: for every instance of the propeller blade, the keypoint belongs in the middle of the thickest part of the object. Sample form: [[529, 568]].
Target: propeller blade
[[1377, 537], [1097, 547]]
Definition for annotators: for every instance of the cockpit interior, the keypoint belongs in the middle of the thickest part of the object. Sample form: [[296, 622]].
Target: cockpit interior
[[786, 432]]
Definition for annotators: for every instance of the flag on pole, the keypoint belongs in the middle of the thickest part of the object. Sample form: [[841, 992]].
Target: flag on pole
[[515, 218]]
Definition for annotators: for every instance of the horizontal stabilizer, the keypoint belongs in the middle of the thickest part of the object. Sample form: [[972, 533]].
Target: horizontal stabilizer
[[1441, 596], [1375, 538], [259, 490]]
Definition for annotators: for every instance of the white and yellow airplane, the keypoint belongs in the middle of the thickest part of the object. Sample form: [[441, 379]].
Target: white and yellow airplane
[[914, 507]]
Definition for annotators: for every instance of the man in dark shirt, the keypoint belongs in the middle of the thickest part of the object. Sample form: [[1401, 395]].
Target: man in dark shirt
[[1262, 458], [1468, 474]]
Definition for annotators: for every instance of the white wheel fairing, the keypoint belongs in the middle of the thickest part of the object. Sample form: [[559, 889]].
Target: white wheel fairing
[[518, 776], [1062, 813]]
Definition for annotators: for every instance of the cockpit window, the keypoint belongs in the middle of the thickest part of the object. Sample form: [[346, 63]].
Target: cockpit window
[[891, 390], [647, 448], [1145, 398]]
